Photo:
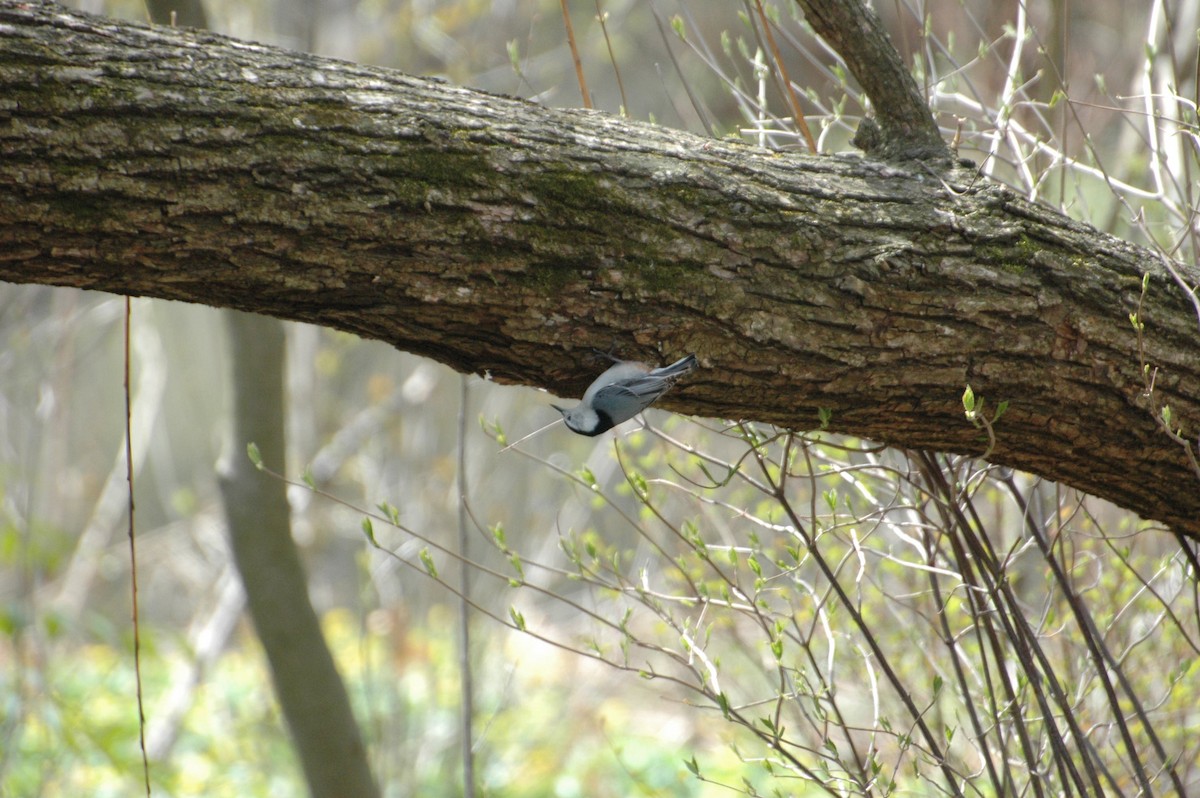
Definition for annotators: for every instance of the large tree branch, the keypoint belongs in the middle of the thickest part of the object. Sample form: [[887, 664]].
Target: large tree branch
[[493, 234], [906, 130]]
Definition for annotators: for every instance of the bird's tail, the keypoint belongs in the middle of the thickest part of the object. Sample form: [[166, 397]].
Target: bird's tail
[[677, 369]]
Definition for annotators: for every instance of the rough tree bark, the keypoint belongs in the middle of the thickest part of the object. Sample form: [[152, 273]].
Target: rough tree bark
[[493, 234]]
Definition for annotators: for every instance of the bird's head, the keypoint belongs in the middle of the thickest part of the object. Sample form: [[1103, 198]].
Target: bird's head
[[583, 420]]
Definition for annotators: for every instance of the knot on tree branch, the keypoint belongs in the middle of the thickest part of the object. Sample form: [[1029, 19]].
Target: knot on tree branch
[[871, 139]]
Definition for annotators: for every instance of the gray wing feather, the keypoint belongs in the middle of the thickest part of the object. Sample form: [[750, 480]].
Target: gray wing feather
[[626, 399]]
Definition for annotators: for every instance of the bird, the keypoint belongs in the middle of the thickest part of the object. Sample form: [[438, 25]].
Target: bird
[[621, 392]]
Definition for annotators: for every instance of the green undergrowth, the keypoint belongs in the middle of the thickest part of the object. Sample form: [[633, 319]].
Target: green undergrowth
[[68, 714]]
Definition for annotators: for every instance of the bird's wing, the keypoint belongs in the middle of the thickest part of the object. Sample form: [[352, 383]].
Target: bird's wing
[[619, 374], [624, 400]]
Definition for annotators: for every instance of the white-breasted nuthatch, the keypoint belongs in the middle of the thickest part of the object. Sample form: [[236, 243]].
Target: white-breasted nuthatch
[[620, 393]]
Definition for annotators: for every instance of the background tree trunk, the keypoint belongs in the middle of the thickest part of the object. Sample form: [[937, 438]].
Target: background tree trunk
[[495, 235], [310, 690]]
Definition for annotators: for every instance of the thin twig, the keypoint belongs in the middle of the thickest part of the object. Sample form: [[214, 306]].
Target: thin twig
[[687, 87], [797, 114], [830, 574], [1105, 665], [466, 687], [583, 89], [601, 17], [137, 638]]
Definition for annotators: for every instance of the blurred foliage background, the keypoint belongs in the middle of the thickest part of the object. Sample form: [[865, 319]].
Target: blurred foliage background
[[663, 572]]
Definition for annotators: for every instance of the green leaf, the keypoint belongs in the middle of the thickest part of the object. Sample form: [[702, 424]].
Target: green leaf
[[1165, 414], [623, 625], [825, 415], [427, 561], [393, 515], [254, 454], [692, 766], [307, 476], [968, 400], [369, 530], [517, 618]]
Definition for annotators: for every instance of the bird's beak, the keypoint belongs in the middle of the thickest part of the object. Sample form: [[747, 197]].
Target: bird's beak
[[559, 409]]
